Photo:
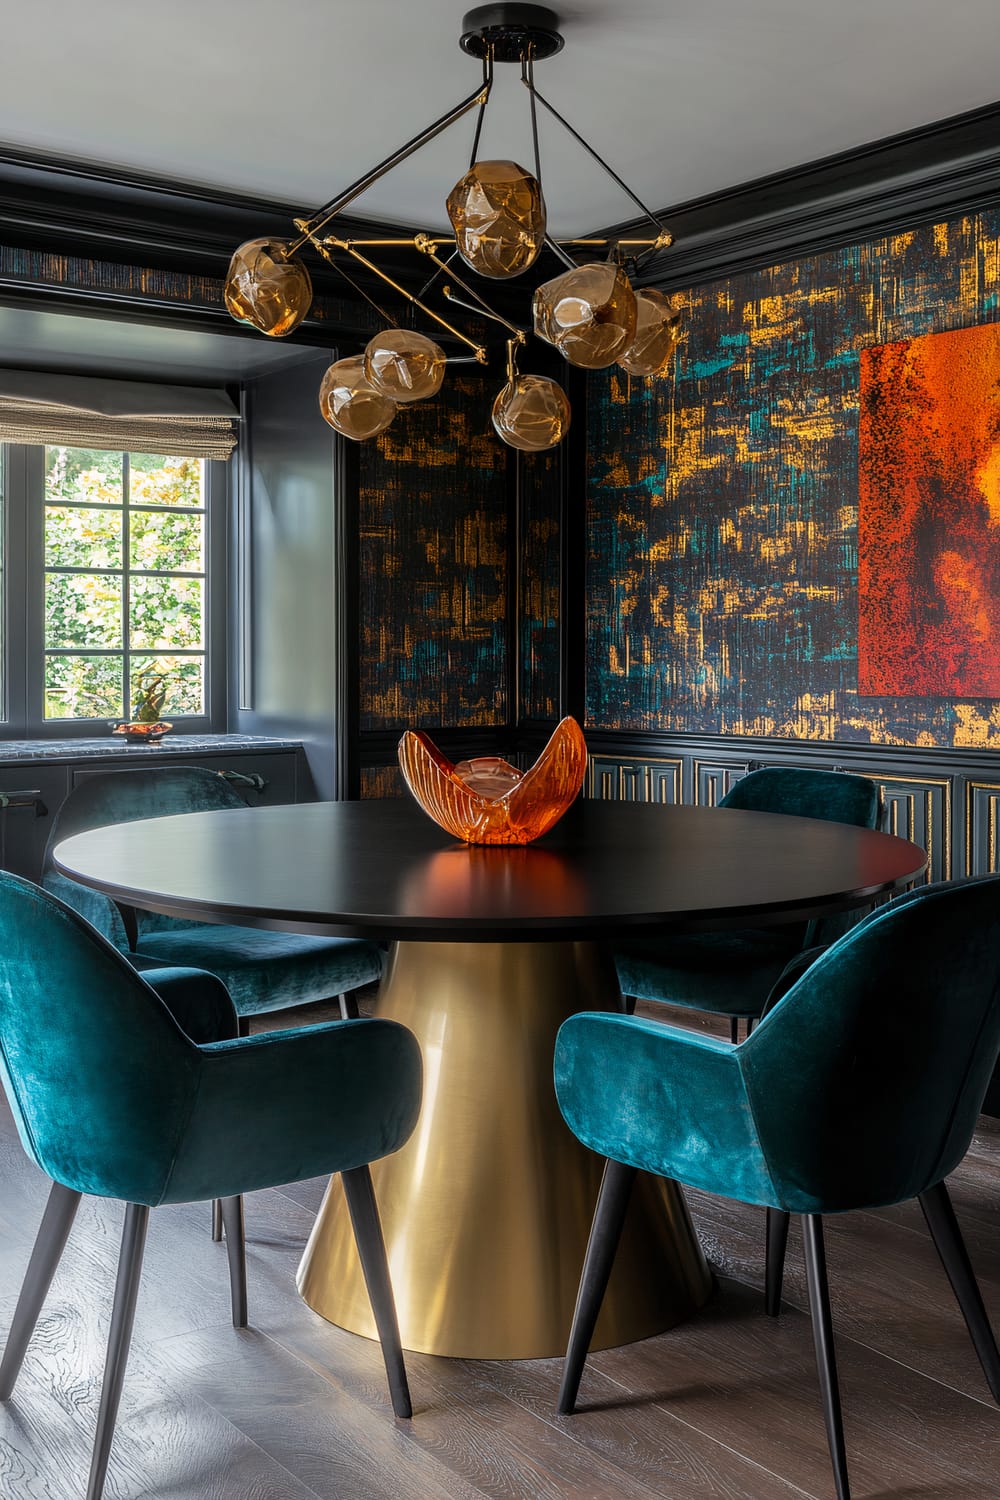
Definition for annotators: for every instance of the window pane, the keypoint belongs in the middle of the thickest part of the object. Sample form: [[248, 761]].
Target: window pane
[[83, 687], [80, 538], [155, 480], [166, 612], [185, 682], [83, 610], [92, 476], [162, 540]]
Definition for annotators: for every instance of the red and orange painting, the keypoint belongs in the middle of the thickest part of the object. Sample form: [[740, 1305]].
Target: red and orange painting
[[929, 516]]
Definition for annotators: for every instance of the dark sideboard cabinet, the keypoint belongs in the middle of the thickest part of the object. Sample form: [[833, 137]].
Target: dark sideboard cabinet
[[35, 775]]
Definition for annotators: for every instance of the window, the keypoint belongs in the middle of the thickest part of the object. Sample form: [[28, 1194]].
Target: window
[[117, 553]]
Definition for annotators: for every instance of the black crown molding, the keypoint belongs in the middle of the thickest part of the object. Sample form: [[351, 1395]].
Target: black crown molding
[[105, 213], [939, 171]]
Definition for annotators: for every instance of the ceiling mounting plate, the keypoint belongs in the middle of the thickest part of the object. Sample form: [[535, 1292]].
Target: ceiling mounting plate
[[511, 30]]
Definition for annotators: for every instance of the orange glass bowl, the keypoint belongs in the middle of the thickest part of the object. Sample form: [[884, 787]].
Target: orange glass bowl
[[140, 732], [489, 801]]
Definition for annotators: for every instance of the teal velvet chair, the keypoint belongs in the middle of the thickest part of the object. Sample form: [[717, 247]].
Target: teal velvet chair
[[732, 973], [860, 1088], [263, 971], [147, 1095]]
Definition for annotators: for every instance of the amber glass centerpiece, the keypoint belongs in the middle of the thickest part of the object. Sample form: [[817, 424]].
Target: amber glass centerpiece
[[489, 801]]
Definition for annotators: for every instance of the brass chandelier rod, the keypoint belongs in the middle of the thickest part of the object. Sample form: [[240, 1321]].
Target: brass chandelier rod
[[348, 245]]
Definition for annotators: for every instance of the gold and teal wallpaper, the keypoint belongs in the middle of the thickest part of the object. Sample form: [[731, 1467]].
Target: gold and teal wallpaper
[[722, 580], [434, 597]]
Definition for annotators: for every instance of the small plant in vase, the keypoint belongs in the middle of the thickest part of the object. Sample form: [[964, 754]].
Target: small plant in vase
[[145, 726]]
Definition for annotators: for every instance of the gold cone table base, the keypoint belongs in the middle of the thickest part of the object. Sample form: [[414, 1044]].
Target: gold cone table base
[[487, 1208]]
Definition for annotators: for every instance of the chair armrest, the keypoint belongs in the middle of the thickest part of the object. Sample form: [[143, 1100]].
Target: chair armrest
[[791, 974], [661, 1098], [285, 1105], [198, 1001]]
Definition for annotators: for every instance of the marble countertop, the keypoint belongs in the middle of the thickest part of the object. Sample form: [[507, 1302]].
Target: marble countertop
[[22, 751]]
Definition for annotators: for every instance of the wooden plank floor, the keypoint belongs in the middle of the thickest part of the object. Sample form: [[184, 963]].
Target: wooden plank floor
[[724, 1408]]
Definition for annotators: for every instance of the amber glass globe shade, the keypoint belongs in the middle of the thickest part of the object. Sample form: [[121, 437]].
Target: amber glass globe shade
[[498, 214], [657, 329], [349, 403], [267, 287], [531, 413], [404, 366], [588, 313], [489, 801]]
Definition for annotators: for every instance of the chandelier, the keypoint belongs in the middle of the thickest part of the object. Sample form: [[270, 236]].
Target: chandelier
[[590, 312]]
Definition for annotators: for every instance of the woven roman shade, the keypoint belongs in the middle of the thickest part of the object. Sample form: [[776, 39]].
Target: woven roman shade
[[84, 412]]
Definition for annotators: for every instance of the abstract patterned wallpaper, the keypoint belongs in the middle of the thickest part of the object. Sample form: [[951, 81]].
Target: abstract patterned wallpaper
[[723, 505], [434, 566]]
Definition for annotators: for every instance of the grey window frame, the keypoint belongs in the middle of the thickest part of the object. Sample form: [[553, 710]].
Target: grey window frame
[[24, 605]]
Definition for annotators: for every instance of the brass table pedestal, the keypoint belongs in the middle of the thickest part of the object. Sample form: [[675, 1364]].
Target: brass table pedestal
[[487, 1208]]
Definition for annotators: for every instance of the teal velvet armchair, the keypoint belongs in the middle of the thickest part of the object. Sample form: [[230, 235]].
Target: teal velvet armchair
[[733, 972], [860, 1088], [263, 971], [123, 1091]]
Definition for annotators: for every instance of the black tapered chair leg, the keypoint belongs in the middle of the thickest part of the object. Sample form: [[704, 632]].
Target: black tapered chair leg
[[363, 1209], [605, 1232], [947, 1236], [734, 1029], [242, 1029], [232, 1214], [122, 1318], [348, 1006], [826, 1359], [50, 1242], [774, 1261]]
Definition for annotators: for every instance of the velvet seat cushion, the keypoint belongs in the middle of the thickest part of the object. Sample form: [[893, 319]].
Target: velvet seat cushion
[[266, 971]]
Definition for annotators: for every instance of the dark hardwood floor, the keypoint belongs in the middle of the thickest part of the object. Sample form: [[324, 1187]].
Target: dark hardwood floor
[[724, 1408]]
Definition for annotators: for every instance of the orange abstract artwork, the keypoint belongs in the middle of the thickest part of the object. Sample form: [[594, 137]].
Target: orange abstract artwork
[[929, 516]]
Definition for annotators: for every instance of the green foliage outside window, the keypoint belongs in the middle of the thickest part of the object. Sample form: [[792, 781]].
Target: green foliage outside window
[[100, 505]]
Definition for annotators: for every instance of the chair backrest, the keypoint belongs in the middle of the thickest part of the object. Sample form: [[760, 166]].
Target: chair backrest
[[100, 1077], [866, 1079], [833, 796], [123, 797]]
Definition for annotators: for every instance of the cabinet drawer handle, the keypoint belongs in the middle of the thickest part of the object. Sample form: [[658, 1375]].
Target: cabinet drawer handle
[[245, 778], [24, 799]]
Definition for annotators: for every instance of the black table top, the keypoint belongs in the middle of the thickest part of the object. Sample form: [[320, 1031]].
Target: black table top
[[382, 868]]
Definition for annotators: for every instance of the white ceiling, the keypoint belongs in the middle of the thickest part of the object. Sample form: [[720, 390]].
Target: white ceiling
[[293, 100]]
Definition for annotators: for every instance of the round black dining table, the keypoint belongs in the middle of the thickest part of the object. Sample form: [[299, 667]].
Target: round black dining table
[[486, 1209]]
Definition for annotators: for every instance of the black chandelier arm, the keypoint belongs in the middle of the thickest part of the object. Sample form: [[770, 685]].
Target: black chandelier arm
[[487, 86], [428, 247], [520, 334], [321, 249], [322, 217], [562, 254], [528, 79], [528, 82]]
